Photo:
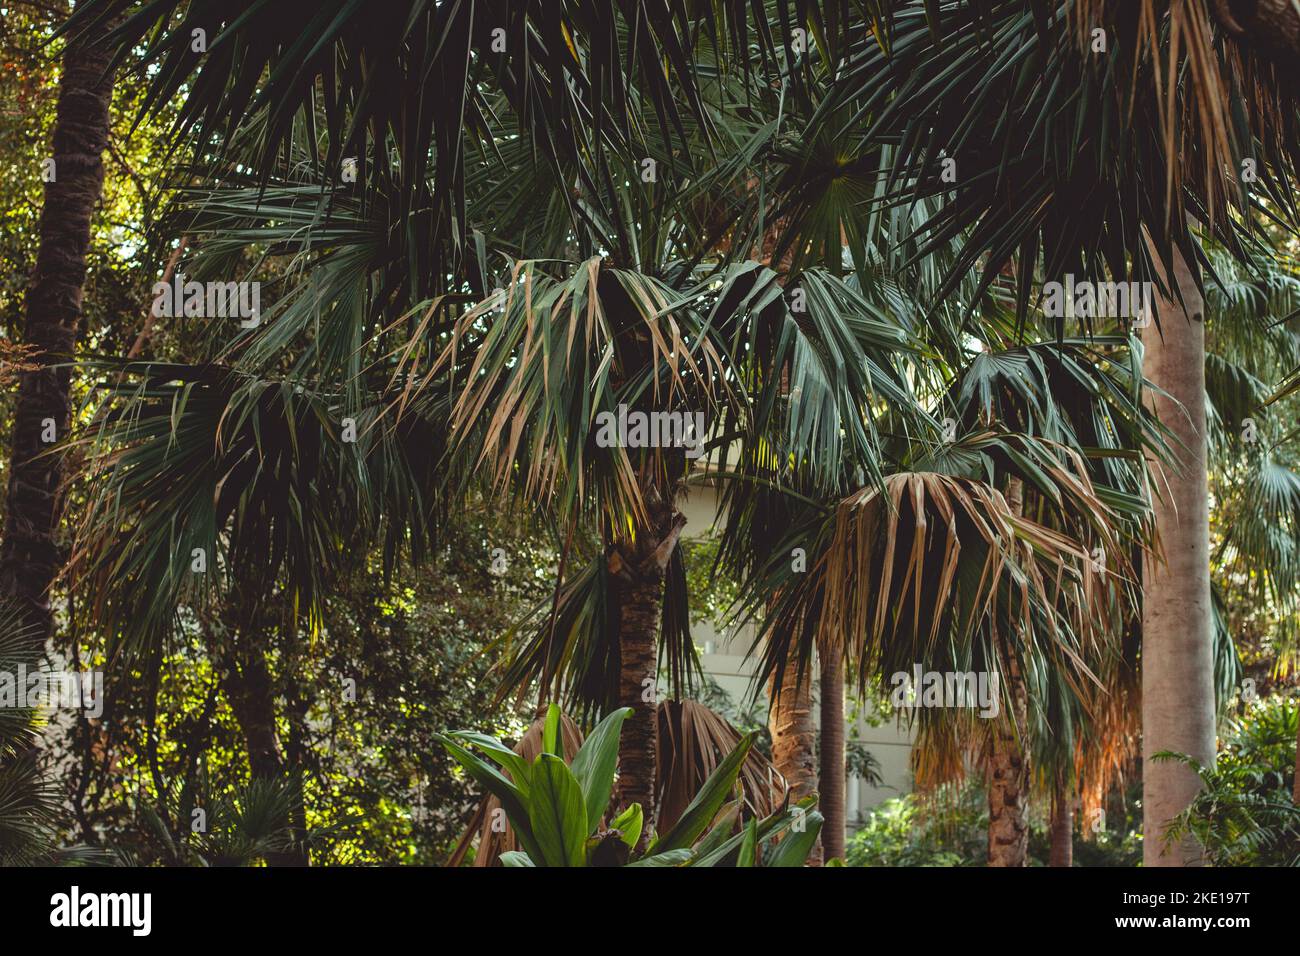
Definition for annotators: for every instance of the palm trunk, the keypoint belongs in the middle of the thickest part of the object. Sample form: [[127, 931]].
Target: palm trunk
[[638, 572], [831, 766], [1177, 652], [638, 753], [1008, 769], [296, 715], [793, 739], [30, 556], [1008, 765], [249, 687], [1295, 787], [1062, 850]]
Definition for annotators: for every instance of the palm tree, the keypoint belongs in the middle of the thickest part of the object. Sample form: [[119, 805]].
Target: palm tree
[[830, 753], [1177, 650], [626, 300], [1075, 130], [30, 551], [613, 204]]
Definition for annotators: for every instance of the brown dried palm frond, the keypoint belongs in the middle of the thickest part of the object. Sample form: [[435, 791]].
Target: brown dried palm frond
[[938, 570], [693, 740], [1093, 751], [928, 569], [531, 367], [1089, 742], [1105, 753], [1202, 66], [16, 358]]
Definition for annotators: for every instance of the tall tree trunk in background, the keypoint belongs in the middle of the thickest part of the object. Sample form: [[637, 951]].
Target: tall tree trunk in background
[[30, 555], [295, 752], [1295, 787], [235, 642], [831, 763], [1007, 762], [248, 686], [1062, 827], [793, 737], [1177, 651], [238, 648], [638, 570]]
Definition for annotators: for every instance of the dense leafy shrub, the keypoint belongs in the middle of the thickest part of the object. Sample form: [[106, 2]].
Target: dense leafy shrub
[[1245, 814], [949, 827]]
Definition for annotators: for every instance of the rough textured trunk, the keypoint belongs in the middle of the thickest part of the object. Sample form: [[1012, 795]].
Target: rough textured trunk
[[831, 782], [1271, 27], [296, 714], [1177, 650], [1007, 762], [30, 555], [1062, 827], [638, 570], [1008, 772], [793, 737], [638, 752]]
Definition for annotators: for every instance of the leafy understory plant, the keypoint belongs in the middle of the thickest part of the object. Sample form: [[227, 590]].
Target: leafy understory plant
[[1244, 813], [560, 812]]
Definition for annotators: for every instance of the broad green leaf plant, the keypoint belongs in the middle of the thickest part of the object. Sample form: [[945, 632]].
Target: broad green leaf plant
[[561, 812]]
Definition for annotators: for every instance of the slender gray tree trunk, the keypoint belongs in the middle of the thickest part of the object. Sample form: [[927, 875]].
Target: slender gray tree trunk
[[1177, 650]]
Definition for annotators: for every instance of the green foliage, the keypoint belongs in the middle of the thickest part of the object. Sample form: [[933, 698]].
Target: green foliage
[[679, 290], [1245, 814], [252, 824], [27, 803], [949, 827], [413, 649], [558, 810]]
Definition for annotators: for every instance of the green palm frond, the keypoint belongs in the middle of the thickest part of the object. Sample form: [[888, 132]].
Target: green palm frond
[[203, 475], [579, 75], [1065, 157], [1262, 528], [532, 380], [1084, 395], [28, 805]]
